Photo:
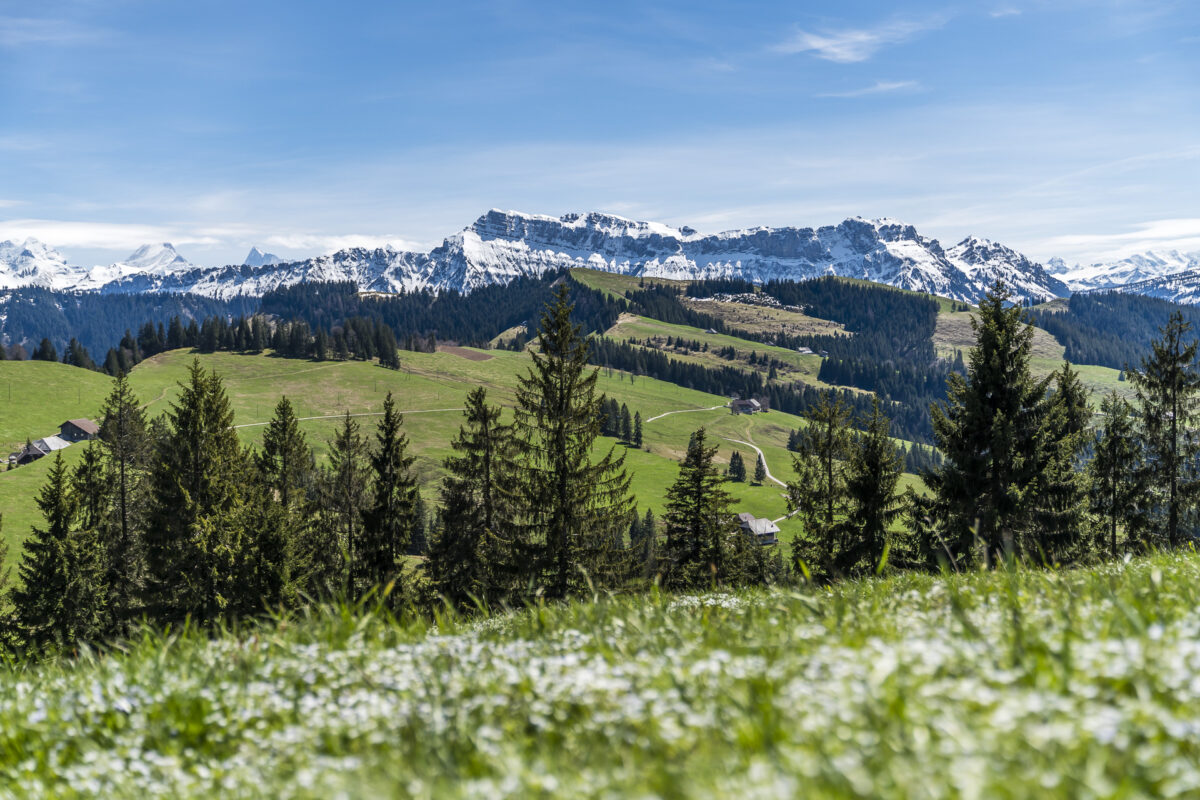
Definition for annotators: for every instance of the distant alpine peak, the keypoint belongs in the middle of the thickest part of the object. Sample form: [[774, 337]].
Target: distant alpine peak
[[157, 258], [257, 258], [1136, 268]]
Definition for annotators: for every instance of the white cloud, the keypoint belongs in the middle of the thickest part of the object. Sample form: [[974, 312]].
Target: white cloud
[[879, 87], [99, 235], [1163, 234], [331, 244], [856, 44], [1004, 11]]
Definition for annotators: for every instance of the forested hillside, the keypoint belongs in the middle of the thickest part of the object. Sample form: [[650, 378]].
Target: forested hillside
[[1111, 329]]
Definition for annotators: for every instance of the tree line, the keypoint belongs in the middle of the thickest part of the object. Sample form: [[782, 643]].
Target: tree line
[[173, 519]]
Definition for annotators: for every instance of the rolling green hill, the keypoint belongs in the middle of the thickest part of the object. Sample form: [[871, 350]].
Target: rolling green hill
[[430, 388]]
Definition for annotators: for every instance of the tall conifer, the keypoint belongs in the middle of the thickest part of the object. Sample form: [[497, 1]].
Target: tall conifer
[[699, 521], [571, 511], [1118, 477], [990, 432], [467, 561], [818, 493], [1168, 390], [388, 522]]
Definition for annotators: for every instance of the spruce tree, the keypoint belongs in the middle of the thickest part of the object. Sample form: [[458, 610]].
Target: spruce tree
[[990, 432], [124, 439], [56, 599], [1167, 386], [1118, 477], [286, 461], [570, 510], [637, 429], [45, 352], [699, 521], [760, 470], [346, 493], [818, 493], [388, 522], [197, 544], [873, 504], [1060, 496], [626, 424], [737, 468], [467, 561]]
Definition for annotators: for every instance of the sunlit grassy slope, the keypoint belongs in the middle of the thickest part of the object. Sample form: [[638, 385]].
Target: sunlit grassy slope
[[1033, 684], [430, 388]]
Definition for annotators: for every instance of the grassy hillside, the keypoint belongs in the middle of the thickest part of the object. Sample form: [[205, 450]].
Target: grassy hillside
[[954, 333], [430, 388], [1033, 684], [35, 396]]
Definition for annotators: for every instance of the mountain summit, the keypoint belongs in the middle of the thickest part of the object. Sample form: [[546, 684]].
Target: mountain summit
[[257, 258]]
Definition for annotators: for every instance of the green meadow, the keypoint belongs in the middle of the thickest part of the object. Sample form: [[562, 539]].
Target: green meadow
[[429, 387]]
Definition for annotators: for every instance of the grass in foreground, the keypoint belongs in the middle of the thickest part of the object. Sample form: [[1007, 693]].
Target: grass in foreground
[[1034, 684]]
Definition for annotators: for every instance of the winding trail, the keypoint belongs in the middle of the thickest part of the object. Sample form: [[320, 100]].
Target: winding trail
[[365, 414], [687, 411], [756, 449]]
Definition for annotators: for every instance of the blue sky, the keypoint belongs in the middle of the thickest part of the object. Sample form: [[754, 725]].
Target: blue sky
[[1068, 127]]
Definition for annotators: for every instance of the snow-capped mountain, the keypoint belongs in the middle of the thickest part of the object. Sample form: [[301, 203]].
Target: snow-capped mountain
[[34, 263], [257, 258], [502, 245], [1134, 269], [156, 260], [986, 262]]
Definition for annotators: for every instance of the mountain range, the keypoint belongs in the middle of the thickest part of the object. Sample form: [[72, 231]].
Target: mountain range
[[502, 245], [1125, 272]]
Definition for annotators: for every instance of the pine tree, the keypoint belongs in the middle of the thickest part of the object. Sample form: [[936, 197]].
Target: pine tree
[[466, 558], [1118, 475], [1167, 386], [737, 468], [873, 504], [626, 424], [818, 493], [197, 541], [388, 522], [637, 429], [699, 521], [760, 470], [570, 510], [990, 433]]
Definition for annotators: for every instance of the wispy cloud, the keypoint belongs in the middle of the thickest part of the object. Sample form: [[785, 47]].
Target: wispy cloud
[[1162, 234], [851, 45], [19, 31], [1004, 11], [879, 87]]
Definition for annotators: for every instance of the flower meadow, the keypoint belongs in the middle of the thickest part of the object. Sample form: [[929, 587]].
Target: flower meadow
[[1082, 683]]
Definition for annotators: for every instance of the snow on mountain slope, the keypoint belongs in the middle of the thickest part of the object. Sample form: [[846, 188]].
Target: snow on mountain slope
[[156, 260], [257, 258], [1134, 269], [33, 263], [502, 245], [986, 262]]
